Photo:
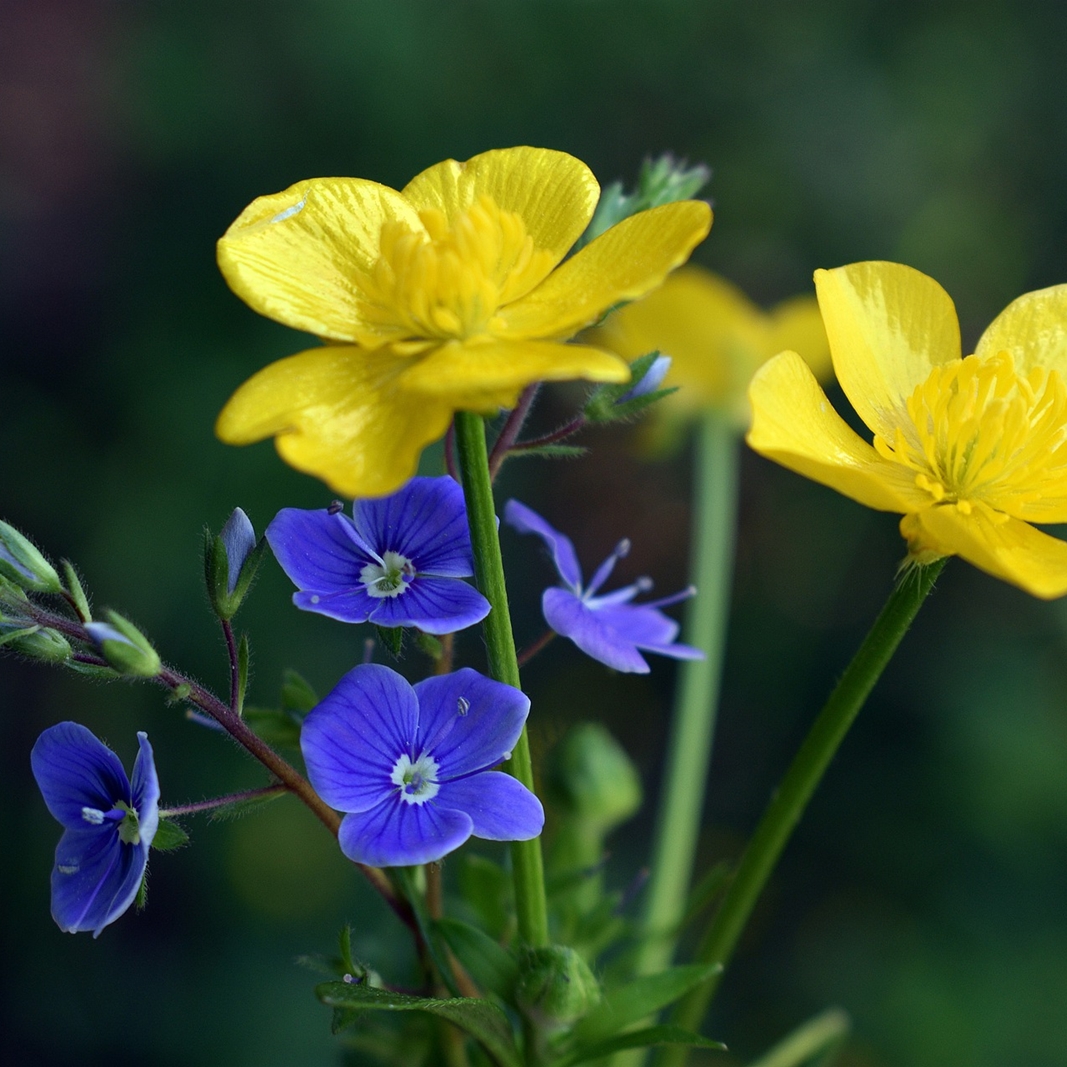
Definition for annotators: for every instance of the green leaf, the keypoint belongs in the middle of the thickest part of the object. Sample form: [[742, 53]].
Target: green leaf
[[491, 966], [821, 1036], [706, 891], [275, 725], [486, 887], [640, 998], [651, 1035], [297, 694], [243, 655], [140, 902], [391, 638], [169, 836], [482, 1019], [402, 876], [345, 943]]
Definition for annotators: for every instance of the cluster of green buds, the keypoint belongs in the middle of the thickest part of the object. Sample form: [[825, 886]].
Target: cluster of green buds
[[39, 633]]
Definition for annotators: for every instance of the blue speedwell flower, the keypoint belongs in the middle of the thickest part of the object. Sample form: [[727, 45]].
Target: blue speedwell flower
[[412, 764], [399, 561], [609, 628], [108, 824]]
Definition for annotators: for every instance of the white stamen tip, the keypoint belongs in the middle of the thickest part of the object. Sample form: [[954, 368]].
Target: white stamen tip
[[463, 705], [315, 598], [289, 212], [93, 815], [622, 549], [64, 868], [644, 584]]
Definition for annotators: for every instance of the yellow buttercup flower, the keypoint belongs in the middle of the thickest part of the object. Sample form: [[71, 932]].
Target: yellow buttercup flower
[[452, 294], [971, 450], [716, 338]]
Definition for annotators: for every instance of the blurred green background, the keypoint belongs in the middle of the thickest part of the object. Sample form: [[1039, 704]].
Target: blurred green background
[[924, 891]]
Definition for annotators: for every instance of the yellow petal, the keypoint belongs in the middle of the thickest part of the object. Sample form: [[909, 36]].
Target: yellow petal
[[340, 414], [1012, 550], [794, 424], [553, 193], [631, 259], [708, 327], [295, 256], [797, 324], [888, 325], [1033, 329], [499, 370]]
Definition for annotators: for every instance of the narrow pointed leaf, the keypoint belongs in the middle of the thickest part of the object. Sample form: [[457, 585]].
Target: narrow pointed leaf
[[491, 966], [169, 836], [650, 1036], [483, 1020]]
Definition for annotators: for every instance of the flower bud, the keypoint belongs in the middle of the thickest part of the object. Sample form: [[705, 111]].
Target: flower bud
[[23, 564], [49, 646], [124, 647], [230, 562], [648, 382], [591, 776], [556, 988]]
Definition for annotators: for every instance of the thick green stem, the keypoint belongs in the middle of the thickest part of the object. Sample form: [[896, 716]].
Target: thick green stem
[[796, 788], [473, 460], [693, 724]]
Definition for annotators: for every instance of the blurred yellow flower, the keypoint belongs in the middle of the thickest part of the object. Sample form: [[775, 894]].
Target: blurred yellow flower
[[716, 338], [970, 450], [449, 295]]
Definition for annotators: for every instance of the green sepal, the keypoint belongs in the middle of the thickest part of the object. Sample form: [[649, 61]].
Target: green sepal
[[391, 638], [491, 966], [217, 574], [646, 1038], [660, 181], [76, 591], [24, 564], [48, 646], [243, 655], [140, 902], [169, 836], [137, 658], [640, 998], [482, 1019], [12, 595], [603, 404], [93, 670]]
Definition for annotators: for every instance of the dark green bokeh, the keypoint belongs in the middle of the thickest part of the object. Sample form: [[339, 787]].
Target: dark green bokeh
[[924, 890]]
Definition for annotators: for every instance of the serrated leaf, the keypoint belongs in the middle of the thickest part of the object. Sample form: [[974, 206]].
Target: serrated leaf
[[297, 693], [640, 998], [491, 966], [169, 836], [646, 1038], [482, 1019]]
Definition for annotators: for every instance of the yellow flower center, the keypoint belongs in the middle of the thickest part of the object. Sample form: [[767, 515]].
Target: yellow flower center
[[448, 281], [981, 435]]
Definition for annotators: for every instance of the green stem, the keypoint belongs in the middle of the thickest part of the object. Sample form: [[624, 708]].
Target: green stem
[[796, 788], [693, 725], [473, 460]]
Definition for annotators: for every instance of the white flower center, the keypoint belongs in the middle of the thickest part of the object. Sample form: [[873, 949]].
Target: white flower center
[[417, 781], [388, 578]]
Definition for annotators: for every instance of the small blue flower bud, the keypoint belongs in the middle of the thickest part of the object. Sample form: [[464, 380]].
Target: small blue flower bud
[[230, 562], [650, 381], [124, 647], [23, 564], [49, 646]]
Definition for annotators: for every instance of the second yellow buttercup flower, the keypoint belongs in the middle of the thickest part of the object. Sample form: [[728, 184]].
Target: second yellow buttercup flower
[[451, 294]]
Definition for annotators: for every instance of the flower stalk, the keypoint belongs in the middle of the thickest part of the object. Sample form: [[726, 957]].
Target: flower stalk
[[791, 798], [693, 724], [473, 461]]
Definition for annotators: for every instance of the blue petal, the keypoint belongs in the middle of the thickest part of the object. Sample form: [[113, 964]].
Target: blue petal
[[426, 522], [501, 808], [347, 605], [95, 878], [353, 738], [524, 520], [647, 628], [238, 539], [572, 618], [320, 552], [75, 770], [399, 834], [145, 790], [434, 605], [468, 722]]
